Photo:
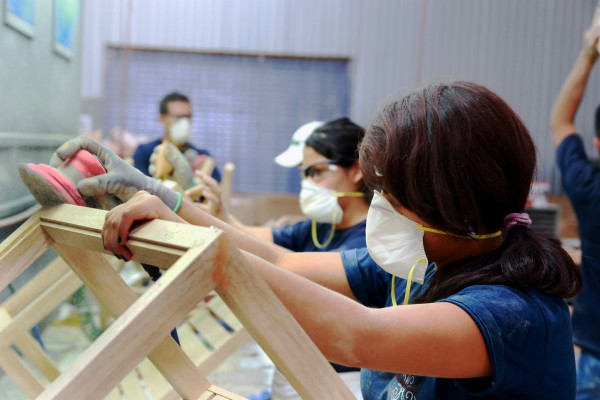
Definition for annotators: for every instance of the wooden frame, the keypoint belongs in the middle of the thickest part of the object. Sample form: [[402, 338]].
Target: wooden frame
[[199, 260]]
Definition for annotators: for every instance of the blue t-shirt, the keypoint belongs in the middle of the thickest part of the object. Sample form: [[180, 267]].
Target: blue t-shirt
[[141, 157], [581, 181], [527, 334], [298, 237]]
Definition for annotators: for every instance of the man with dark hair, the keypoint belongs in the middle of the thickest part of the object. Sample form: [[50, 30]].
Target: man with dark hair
[[175, 114], [581, 181]]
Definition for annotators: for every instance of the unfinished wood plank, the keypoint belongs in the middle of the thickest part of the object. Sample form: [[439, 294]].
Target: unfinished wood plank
[[32, 350], [106, 284], [191, 343], [142, 327], [14, 367], [131, 387], [217, 357], [155, 382], [35, 286], [157, 242], [115, 394], [224, 393], [278, 333], [209, 328], [21, 248], [40, 307]]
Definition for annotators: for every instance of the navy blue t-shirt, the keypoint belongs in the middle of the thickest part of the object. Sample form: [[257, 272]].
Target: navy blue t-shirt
[[298, 237], [527, 334], [581, 181], [141, 157]]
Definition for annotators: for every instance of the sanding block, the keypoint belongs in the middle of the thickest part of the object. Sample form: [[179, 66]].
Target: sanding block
[[51, 186]]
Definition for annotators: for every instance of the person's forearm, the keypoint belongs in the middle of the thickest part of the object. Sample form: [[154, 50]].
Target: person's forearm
[[332, 321], [244, 241], [570, 95]]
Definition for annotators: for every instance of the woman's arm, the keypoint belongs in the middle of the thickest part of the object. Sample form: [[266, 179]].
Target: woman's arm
[[324, 268], [438, 339]]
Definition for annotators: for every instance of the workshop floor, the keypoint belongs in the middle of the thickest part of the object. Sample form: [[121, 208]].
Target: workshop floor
[[247, 372]]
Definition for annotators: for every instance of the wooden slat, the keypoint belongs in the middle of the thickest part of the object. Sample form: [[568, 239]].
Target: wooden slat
[[32, 350], [279, 334], [142, 327], [35, 286], [115, 394], [224, 393], [106, 284], [209, 328], [217, 357], [14, 367], [155, 382], [20, 249], [40, 307], [131, 387], [157, 242], [191, 343]]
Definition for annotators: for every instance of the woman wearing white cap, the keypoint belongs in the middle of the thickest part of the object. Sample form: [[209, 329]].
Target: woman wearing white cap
[[334, 199]]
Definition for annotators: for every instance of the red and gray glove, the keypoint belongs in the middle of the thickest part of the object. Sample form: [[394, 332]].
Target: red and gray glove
[[121, 179]]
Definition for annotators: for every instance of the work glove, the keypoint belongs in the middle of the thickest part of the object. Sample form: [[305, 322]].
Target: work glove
[[121, 179], [182, 172]]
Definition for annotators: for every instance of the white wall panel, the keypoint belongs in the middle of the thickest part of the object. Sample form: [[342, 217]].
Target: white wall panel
[[521, 49]]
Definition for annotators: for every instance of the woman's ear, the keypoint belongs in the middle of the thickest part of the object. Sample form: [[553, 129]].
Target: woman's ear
[[356, 173]]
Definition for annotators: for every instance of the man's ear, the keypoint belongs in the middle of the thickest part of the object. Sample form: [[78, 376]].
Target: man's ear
[[597, 143]]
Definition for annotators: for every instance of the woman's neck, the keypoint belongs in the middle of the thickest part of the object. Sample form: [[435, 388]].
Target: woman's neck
[[355, 211]]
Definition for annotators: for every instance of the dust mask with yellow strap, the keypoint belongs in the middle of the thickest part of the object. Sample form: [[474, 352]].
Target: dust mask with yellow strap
[[395, 243], [321, 205]]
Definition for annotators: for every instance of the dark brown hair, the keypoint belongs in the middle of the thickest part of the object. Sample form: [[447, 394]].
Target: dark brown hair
[[338, 141], [461, 159]]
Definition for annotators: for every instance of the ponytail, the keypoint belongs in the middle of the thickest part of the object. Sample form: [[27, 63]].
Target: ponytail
[[525, 260]]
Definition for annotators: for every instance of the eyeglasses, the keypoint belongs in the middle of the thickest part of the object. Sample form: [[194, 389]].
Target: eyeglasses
[[317, 169]]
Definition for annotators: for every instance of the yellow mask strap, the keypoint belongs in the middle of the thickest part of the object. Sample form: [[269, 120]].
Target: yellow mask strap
[[314, 232], [408, 283], [348, 194], [486, 236]]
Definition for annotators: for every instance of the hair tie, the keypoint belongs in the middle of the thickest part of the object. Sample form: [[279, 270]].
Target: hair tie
[[516, 219]]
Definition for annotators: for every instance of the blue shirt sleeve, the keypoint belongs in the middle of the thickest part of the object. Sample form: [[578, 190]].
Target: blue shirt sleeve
[[579, 175], [369, 283], [141, 157]]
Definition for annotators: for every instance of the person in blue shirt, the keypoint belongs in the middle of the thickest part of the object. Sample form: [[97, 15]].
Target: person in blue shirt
[[581, 181], [333, 197], [175, 114], [454, 296]]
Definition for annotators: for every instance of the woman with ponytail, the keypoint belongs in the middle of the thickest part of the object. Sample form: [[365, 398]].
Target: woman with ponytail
[[454, 296]]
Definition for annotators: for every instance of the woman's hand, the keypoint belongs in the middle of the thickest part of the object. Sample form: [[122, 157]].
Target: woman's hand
[[141, 207], [210, 190], [590, 41]]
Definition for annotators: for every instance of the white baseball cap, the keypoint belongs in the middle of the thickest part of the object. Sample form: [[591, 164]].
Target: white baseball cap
[[293, 156]]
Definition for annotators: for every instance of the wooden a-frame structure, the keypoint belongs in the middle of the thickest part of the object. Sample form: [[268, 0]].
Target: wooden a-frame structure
[[199, 260]]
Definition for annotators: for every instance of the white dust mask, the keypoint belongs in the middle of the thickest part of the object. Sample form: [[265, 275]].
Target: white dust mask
[[320, 204], [395, 242], [181, 131]]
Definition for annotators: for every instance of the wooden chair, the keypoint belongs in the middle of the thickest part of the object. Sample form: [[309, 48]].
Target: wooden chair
[[199, 260]]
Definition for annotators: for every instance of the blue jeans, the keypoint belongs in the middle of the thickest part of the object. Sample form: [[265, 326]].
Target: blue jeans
[[588, 377]]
